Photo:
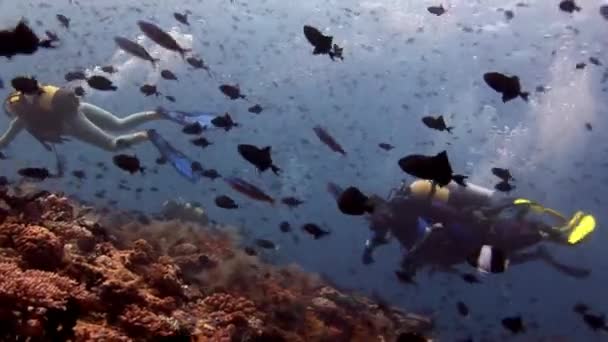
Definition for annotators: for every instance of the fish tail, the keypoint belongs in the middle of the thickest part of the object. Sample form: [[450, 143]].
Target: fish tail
[[275, 169], [524, 95], [449, 129]]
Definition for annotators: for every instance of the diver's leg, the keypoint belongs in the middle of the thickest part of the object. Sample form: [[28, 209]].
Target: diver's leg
[[108, 121], [541, 254], [81, 128]]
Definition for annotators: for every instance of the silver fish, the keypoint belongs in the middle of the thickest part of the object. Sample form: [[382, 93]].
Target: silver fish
[[134, 49], [160, 37]]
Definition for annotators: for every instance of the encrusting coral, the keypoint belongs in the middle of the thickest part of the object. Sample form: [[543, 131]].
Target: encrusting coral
[[66, 276]]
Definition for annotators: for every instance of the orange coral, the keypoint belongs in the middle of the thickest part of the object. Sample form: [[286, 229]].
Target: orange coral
[[39, 247]]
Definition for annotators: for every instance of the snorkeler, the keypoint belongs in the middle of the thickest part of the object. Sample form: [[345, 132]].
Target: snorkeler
[[49, 113]]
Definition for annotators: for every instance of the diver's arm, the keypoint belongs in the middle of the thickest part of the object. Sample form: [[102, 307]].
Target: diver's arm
[[13, 130]]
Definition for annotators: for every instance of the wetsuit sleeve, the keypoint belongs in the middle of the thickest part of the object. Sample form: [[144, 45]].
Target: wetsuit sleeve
[[13, 130]]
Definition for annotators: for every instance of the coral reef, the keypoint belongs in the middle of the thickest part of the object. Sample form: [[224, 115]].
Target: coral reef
[[69, 273]]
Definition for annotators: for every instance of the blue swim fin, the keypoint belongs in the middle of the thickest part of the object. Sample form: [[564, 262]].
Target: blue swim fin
[[178, 160], [184, 118]]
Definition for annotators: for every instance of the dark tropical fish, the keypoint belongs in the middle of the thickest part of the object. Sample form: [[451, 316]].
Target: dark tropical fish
[[580, 66], [259, 157], [436, 123], [595, 61], [2, 156], [170, 98], [256, 109], [314, 230], [79, 91], [75, 75], [503, 174], [568, 6], [22, 40], [201, 142], [224, 122], [135, 49], [196, 167], [405, 277], [65, 21], [580, 308], [504, 187], [37, 173], [211, 174], [436, 10], [101, 83], [353, 202], [80, 174], [514, 324], [248, 189], [595, 322], [435, 168], [266, 244], [386, 146], [168, 75], [26, 85], [291, 202], [225, 202], [160, 37], [181, 17], [192, 129], [109, 69], [509, 87], [604, 11], [462, 308], [509, 14], [588, 126], [321, 43], [488, 259], [128, 163], [197, 63], [328, 140], [285, 227], [232, 91], [149, 89]]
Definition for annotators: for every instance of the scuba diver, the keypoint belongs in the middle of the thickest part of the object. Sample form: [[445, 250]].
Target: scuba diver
[[445, 225], [49, 113]]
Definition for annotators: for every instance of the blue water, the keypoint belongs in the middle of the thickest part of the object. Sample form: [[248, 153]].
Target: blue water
[[401, 63]]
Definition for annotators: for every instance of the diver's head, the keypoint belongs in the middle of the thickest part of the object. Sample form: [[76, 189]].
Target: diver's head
[[28, 86]]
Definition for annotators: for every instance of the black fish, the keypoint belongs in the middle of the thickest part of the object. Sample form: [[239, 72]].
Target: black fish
[[405, 277], [135, 49], [580, 66], [353, 202], [328, 140], [256, 109], [161, 161], [513, 324], [595, 61], [224, 122], [65, 21], [322, 43], [503, 174], [21, 40], [75, 75], [170, 98], [35, 173], [192, 129], [504, 187], [79, 174], [436, 123], [509, 14], [314, 230], [211, 174], [26, 85], [128, 163], [266, 244], [568, 6], [160, 37], [595, 322], [291, 202], [225, 202], [249, 189], [259, 157], [604, 11], [285, 227], [509, 87], [101, 83], [197, 63], [201, 142], [436, 168], [168, 75], [182, 18], [196, 167], [462, 308], [149, 89], [232, 91], [588, 126], [79, 91], [109, 69], [386, 146], [2, 156], [436, 10], [580, 308]]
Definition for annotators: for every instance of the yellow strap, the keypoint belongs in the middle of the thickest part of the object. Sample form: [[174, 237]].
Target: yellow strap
[[534, 206]]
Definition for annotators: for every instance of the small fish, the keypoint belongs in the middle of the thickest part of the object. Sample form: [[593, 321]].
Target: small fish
[[201, 142], [65, 21], [197, 63], [37, 173], [436, 168], [160, 37], [128, 163], [149, 89], [462, 308], [580, 66], [580, 308], [75, 75], [504, 187], [80, 174], [569, 6], [170, 98], [168, 75], [266, 244], [211, 174], [196, 167], [79, 91], [232, 91], [101, 83], [259, 157], [1, 84], [488, 259], [109, 69], [225, 202], [353, 202], [503, 174], [314, 230], [405, 277], [595, 61], [192, 129], [248, 189], [514, 324], [436, 10], [21, 40], [2, 156], [588, 126], [256, 109], [328, 140], [181, 17], [604, 11], [509, 14], [291, 202], [284, 227], [436, 123], [595, 322], [26, 85], [386, 146], [322, 43], [135, 49], [509, 87]]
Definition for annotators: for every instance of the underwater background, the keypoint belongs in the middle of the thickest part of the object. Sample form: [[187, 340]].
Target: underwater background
[[400, 64]]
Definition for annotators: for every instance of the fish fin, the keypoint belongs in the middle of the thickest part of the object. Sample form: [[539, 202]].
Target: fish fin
[[524, 95], [449, 129], [275, 169]]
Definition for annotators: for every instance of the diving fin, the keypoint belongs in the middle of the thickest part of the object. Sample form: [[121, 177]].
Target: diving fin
[[178, 160], [184, 118], [580, 226]]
